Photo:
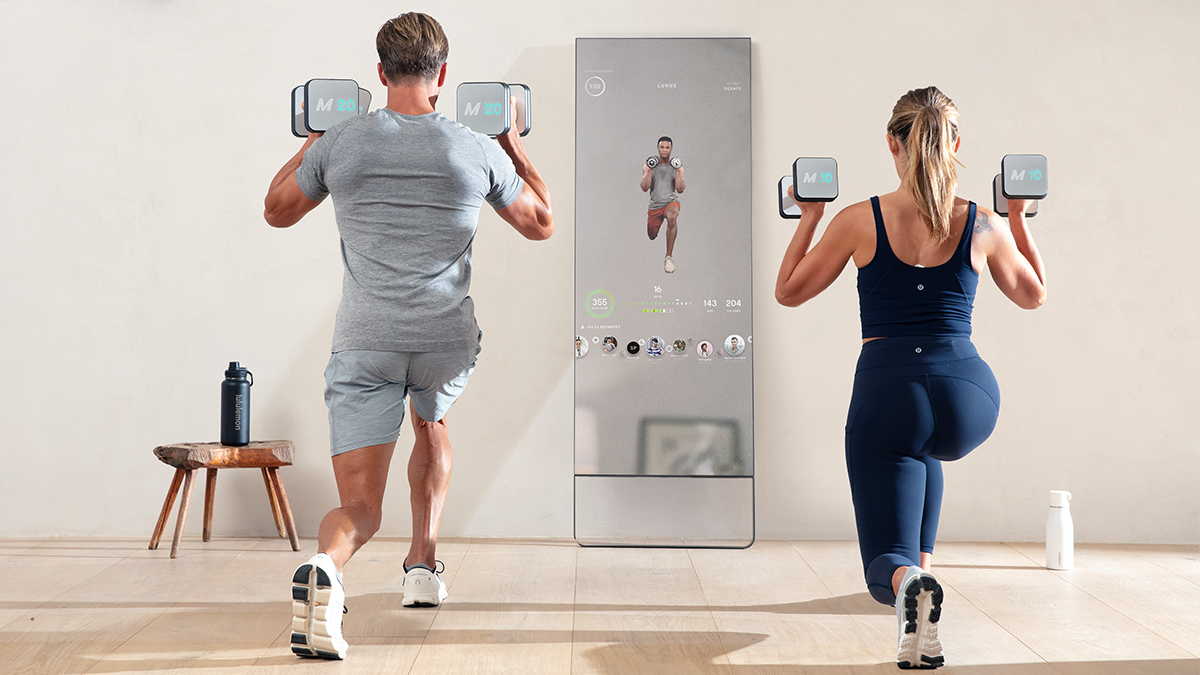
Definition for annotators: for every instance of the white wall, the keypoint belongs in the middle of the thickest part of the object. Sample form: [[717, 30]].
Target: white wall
[[139, 139]]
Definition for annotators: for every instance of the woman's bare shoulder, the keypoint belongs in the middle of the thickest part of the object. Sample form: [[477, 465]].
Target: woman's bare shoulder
[[853, 229], [856, 213]]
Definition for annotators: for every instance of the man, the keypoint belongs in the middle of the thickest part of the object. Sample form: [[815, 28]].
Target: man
[[408, 184], [655, 348], [664, 183]]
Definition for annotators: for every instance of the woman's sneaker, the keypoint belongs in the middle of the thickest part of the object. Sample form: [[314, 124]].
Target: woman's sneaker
[[918, 610], [422, 586], [318, 602]]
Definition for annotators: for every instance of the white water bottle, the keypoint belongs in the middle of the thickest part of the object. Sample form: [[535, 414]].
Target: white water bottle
[[1060, 532]]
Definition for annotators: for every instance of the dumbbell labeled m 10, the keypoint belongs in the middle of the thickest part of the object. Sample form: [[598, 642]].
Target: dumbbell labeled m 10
[[486, 107], [319, 104], [1020, 177], [813, 179]]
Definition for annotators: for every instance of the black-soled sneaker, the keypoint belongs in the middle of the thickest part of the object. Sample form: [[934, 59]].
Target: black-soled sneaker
[[918, 610], [318, 602]]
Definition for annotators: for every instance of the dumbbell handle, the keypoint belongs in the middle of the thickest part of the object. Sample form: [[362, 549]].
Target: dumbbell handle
[[1000, 201]]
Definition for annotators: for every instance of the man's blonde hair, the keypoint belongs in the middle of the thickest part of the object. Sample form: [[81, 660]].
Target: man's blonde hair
[[412, 45]]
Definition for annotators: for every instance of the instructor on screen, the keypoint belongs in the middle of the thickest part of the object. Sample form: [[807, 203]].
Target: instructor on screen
[[664, 183]]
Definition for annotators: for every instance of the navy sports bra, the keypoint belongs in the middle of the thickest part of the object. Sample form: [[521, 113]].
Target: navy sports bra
[[896, 299]]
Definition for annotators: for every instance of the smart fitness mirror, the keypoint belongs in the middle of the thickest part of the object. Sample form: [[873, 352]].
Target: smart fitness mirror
[[664, 356]]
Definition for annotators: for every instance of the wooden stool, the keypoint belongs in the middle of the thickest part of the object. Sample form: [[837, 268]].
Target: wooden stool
[[187, 457]]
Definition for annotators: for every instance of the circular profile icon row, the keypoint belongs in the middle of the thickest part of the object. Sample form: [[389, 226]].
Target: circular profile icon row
[[656, 346]]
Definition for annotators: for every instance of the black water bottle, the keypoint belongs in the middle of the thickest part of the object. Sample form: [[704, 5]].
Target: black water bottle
[[235, 405]]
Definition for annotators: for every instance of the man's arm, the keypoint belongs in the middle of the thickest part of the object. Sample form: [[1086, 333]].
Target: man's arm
[[530, 213], [646, 178], [286, 204], [679, 184]]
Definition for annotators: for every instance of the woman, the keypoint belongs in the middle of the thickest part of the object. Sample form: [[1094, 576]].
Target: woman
[[921, 393]]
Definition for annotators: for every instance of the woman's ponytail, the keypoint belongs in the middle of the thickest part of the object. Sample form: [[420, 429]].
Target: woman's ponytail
[[925, 122]]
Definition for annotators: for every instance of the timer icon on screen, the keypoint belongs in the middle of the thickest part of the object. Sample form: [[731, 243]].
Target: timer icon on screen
[[594, 86]]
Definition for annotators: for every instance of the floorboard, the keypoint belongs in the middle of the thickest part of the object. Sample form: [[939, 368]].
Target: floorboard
[[72, 606]]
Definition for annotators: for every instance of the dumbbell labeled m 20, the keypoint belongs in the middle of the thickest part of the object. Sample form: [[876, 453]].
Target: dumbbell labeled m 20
[[486, 107], [1020, 177], [813, 179], [653, 161], [320, 104]]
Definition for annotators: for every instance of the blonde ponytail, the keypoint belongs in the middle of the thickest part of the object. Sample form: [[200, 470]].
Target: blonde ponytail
[[925, 122]]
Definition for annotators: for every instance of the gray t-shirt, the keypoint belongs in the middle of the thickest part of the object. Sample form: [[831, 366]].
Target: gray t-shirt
[[662, 186], [406, 194]]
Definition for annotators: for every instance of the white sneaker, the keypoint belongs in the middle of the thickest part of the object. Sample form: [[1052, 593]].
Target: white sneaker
[[918, 610], [669, 265], [318, 602], [423, 587]]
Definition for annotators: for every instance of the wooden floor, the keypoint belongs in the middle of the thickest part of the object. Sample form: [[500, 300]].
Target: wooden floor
[[111, 606]]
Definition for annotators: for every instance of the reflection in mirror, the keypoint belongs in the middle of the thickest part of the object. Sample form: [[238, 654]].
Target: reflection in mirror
[[675, 447]]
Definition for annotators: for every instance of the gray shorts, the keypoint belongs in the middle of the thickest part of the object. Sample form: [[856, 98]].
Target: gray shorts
[[365, 392]]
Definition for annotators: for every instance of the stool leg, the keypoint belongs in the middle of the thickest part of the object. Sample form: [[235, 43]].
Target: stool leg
[[274, 504], [288, 521], [210, 493], [166, 509], [188, 484]]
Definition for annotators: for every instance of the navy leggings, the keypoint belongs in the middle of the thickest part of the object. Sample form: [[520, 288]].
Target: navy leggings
[[917, 402]]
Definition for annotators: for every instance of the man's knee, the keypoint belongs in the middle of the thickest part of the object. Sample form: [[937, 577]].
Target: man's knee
[[652, 231], [436, 434], [367, 515]]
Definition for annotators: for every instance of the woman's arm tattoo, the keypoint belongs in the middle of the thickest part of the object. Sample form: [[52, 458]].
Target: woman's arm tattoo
[[982, 222]]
